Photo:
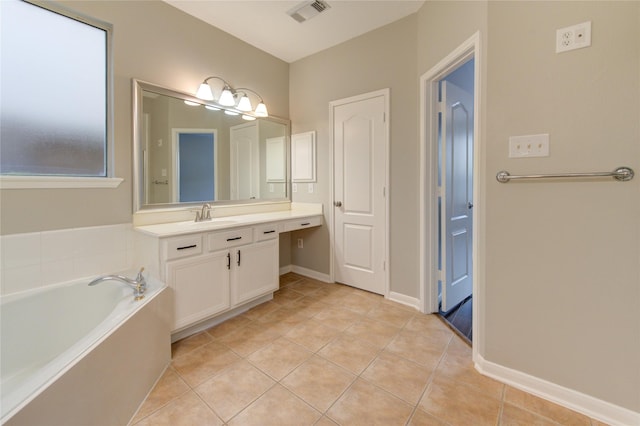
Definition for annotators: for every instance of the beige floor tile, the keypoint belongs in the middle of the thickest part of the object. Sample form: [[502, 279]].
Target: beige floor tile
[[318, 382], [338, 318], [202, 363], [279, 358], [188, 410], [405, 379], [249, 339], [289, 278], [381, 408], [285, 295], [312, 335], [331, 293], [390, 314], [325, 421], [308, 306], [306, 286], [514, 416], [359, 303], [230, 392], [456, 404], [421, 322], [228, 326], [373, 332], [423, 348], [262, 309], [351, 353], [420, 418], [277, 407], [281, 321], [190, 343], [169, 387], [458, 347], [544, 408], [462, 370]]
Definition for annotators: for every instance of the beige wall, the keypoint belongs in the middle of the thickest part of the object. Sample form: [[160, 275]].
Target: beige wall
[[562, 284], [559, 261], [157, 43], [384, 58]]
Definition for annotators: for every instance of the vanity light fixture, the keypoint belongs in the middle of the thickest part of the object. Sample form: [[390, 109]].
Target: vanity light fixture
[[248, 117], [229, 95]]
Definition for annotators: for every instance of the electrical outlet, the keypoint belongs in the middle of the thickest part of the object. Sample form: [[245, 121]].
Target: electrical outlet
[[529, 146], [300, 243], [573, 37], [310, 188]]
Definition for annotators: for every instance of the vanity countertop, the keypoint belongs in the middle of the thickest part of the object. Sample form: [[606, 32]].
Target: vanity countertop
[[220, 223]]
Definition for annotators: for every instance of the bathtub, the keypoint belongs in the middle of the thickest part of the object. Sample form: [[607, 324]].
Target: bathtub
[[77, 355]]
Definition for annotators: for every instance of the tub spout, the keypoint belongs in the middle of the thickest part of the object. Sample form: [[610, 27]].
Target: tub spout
[[139, 284]]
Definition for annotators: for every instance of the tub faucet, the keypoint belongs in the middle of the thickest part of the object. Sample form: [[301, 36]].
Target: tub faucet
[[139, 284], [204, 214]]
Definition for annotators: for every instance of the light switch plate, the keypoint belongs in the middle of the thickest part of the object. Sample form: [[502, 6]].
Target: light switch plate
[[529, 146]]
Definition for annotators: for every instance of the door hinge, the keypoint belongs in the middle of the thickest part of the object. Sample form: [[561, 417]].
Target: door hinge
[[440, 107], [384, 191], [384, 117], [384, 265]]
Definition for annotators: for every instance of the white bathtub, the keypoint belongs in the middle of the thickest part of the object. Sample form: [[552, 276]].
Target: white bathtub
[[65, 347]]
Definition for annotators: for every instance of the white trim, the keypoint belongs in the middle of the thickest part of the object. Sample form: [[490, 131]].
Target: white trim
[[588, 405], [428, 150], [404, 300], [55, 182], [310, 273], [386, 93]]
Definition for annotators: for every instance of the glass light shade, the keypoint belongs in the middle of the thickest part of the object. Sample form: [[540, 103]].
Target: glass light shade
[[212, 108], [261, 110], [245, 104], [226, 98], [191, 103], [204, 92], [248, 117], [230, 112]]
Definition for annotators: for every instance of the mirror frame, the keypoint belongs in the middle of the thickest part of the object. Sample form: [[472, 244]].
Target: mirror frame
[[138, 191]]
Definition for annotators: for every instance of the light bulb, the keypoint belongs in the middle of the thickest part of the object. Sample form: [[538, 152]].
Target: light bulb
[[226, 98], [248, 117], [261, 110], [245, 104], [204, 92]]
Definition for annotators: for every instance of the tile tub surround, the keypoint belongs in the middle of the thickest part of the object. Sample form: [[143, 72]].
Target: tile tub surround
[[344, 357], [39, 259]]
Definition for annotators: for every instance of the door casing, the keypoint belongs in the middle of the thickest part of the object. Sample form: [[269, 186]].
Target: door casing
[[386, 94], [429, 182]]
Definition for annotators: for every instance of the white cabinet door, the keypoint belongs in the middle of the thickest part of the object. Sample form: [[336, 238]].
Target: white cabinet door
[[200, 287], [254, 271]]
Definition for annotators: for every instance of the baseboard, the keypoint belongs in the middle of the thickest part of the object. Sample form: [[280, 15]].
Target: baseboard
[[404, 299], [588, 405], [309, 273]]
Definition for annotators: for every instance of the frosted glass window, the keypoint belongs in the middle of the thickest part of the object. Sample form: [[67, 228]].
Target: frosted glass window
[[54, 100]]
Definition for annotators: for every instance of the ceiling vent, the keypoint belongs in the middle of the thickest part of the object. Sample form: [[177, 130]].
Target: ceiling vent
[[308, 9]]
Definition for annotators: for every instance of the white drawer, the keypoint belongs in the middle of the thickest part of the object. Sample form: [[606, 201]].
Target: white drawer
[[308, 222], [178, 247], [226, 239], [265, 232]]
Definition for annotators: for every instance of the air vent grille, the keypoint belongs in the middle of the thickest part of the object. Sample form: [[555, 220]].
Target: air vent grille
[[308, 9]]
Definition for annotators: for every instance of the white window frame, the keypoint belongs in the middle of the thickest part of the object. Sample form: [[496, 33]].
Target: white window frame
[[110, 181]]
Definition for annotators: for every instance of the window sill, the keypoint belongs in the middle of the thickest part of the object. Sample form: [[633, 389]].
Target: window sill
[[57, 182]]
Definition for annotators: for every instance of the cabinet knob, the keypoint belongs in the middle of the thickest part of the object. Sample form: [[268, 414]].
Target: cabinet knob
[[337, 203]]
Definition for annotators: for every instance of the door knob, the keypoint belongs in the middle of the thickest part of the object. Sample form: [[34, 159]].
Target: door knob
[[337, 203], [469, 205]]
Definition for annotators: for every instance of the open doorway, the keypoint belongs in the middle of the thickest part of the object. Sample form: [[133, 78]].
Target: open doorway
[[455, 198], [451, 189]]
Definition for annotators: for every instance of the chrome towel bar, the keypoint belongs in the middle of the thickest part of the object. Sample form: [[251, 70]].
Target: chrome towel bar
[[622, 174]]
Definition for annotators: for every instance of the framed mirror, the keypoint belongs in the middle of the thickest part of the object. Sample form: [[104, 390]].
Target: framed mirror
[[188, 151]]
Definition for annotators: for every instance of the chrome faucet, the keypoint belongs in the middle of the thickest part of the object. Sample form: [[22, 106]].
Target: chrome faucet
[[204, 214], [139, 284]]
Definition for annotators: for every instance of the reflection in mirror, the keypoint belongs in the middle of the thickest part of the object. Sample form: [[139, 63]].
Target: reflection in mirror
[[187, 150]]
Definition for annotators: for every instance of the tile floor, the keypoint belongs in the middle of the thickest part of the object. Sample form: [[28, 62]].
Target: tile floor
[[327, 354]]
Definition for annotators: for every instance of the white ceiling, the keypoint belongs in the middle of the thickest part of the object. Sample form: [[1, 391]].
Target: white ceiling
[[266, 25]]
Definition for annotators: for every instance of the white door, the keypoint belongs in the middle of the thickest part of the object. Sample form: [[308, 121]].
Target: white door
[[360, 138], [456, 207], [245, 162]]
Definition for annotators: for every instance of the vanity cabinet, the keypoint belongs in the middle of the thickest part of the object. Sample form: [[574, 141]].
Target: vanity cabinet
[[213, 272]]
